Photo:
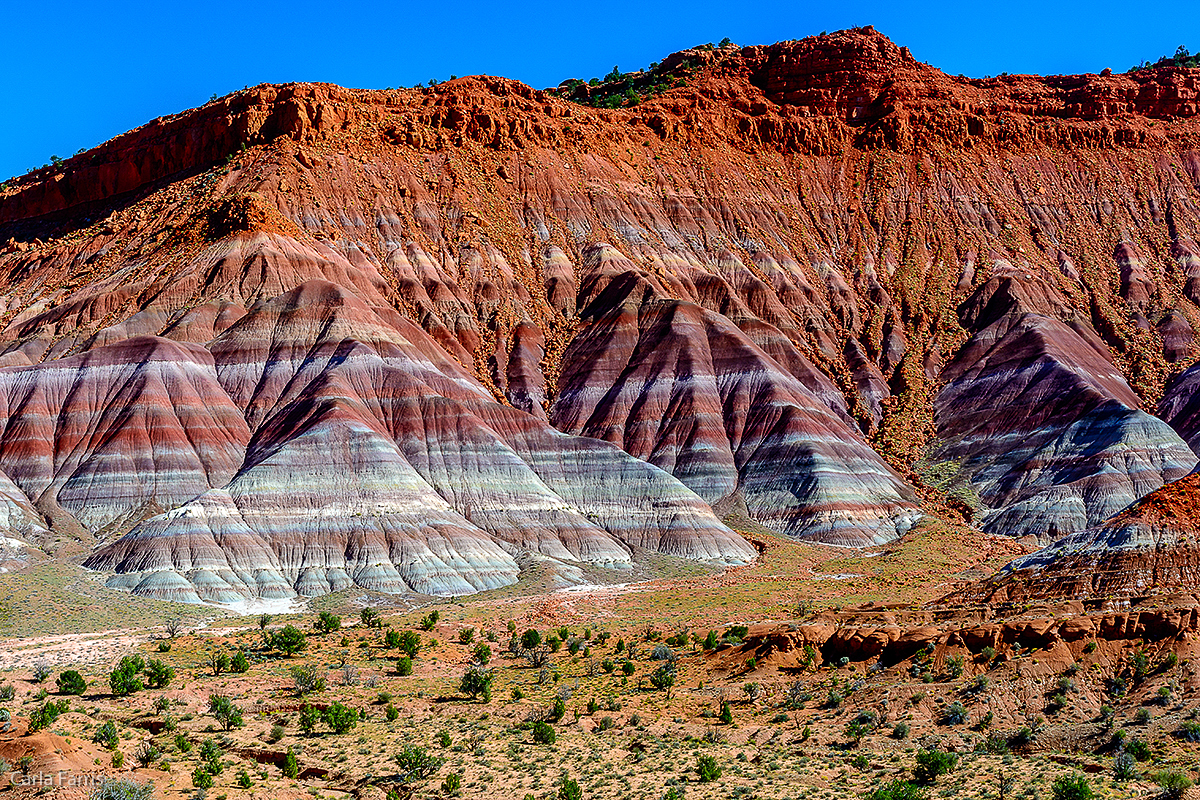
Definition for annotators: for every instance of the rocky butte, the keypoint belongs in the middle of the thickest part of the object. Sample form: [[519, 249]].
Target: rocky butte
[[307, 337]]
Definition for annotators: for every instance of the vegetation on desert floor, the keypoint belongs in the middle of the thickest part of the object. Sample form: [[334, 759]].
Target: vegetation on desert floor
[[636, 691]]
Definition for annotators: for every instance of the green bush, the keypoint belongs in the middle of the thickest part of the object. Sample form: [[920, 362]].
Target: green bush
[[543, 733], [404, 665], [569, 790], [327, 622], [955, 714], [122, 789], [933, 763], [308, 678], [1174, 784], [897, 790], [1138, 749], [1071, 787], [225, 712], [477, 682], [707, 768], [106, 735], [42, 718], [391, 713], [340, 718], [558, 709], [416, 763], [410, 643], [201, 778], [1190, 731], [71, 682], [239, 663], [291, 767], [289, 640], [159, 675], [124, 680]]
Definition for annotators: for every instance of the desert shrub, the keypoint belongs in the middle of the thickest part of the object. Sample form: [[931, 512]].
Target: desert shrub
[[201, 778], [954, 666], [726, 713], [340, 718], [663, 678], [290, 766], [327, 622], [404, 665], [855, 731], [239, 663], [308, 678], [219, 661], [41, 671], [1138, 749], [466, 635], [159, 675], [933, 763], [900, 730], [1189, 731], [307, 721], [122, 789], [124, 680], [243, 779], [1071, 787], [1173, 783], [370, 618], [430, 620], [1142, 716], [707, 768], [106, 735], [42, 718], [391, 713], [569, 790], [147, 753], [482, 653], [410, 643], [225, 712], [71, 682], [897, 790], [289, 640], [543, 733], [1089, 648], [451, 783], [443, 738], [627, 668], [955, 714], [1124, 766], [558, 709], [416, 763], [477, 682]]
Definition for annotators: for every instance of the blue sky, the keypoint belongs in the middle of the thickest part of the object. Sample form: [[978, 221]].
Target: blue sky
[[74, 74]]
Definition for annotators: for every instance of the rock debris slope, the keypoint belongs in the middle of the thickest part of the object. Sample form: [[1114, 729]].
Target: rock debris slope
[[305, 337]]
